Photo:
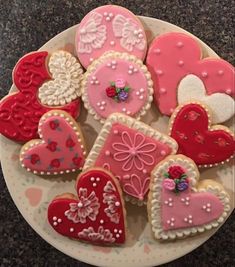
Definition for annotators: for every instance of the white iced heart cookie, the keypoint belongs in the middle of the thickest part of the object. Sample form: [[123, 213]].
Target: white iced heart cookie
[[66, 73], [192, 88]]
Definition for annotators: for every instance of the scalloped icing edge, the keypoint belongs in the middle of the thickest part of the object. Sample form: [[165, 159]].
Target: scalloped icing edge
[[133, 124], [101, 60], [210, 127], [48, 66], [154, 199], [35, 142]]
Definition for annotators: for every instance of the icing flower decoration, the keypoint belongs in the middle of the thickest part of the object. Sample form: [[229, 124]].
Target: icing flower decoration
[[169, 184], [34, 159], [176, 179], [87, 207], [175, 172], [118, 90], [134, 152]]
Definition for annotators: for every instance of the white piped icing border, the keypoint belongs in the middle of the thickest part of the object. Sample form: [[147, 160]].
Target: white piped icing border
[[36, 142], [131, 123], [116, 55], [154, 199], [210, 127]]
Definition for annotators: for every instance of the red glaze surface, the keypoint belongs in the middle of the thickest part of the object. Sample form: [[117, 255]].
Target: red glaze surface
[[95, 211], [20, 112], [196, 140]]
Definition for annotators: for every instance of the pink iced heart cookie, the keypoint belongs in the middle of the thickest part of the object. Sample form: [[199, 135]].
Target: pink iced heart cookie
[[130, 149], [117, 82], [96, 214], [173, 56], [108, 28], [39, 92], [60, 149], [179, 206]]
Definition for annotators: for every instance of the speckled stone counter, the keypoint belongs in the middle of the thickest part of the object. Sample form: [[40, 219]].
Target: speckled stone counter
[[24, 27]]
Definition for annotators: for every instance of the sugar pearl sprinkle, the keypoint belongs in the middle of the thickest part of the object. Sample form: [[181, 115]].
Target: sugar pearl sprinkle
[[186, 201], [140, 93], [188, 219], [112, 64], [132, 70], [179, 44], [169, 202], [94, 80], [204, 74], [94, 181], [101, 221], [108, 16], [159, 72], [171, 222], [71, 229], [56, 221], [112, 43], [117, 232], [157, 51], [101, 105], [207, 207], [124, 110]]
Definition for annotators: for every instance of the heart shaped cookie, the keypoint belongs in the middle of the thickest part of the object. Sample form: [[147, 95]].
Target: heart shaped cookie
[[172, 56], [191, 88], [96, 214], [130, 149], [20, 111], [60, 149], [179, 206], [206, 145]]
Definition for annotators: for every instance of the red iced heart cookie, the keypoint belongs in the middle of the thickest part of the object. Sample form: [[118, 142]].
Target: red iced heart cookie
[[21, 111], [178, 206], [197, 139], [172, 56], [95, 215], [60, 149]]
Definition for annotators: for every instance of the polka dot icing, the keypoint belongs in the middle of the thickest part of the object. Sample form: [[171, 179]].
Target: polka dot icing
[[173, 56], [124, 86], [107, 28]]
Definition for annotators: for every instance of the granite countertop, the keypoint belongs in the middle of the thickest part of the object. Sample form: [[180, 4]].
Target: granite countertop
[[27, 25]]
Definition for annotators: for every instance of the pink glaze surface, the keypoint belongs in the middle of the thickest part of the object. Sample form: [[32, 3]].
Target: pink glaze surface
[[60, 151], [188, 209], [131, 156], [172, 56], [101, 78], [107, 28]]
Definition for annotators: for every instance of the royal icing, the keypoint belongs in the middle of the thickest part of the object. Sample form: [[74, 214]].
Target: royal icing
[[60, 149], [130, 149], [107, 28], [65, 86], [97, 213], [21, 111], [117, 82], [173, 56], [192, 88], [207, 145], [179, 211]]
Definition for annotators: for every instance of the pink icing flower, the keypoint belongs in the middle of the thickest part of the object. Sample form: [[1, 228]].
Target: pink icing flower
[[120, 83], [136, 186], [134, 152], [86, 207], [169, 184]]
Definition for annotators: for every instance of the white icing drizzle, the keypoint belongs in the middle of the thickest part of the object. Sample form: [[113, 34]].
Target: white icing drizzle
[[65, 85]]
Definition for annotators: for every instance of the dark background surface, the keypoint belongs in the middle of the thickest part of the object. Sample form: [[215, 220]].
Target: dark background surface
[[25, 26]]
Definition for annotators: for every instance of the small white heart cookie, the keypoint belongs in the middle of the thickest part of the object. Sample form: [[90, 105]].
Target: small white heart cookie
[[192, 88]]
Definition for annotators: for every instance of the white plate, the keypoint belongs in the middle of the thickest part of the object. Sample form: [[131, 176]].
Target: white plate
[[32, 193]]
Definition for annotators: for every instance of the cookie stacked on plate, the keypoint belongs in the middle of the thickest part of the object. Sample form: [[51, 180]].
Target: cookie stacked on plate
[[129, 160]]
